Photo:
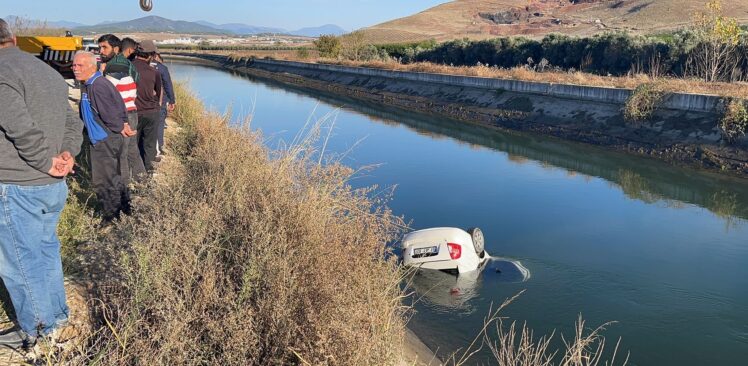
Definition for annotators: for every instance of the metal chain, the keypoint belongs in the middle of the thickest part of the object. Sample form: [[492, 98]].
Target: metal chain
[[146, 5]]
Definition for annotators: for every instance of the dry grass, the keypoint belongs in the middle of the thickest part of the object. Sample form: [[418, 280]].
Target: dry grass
[[26, 27], [738, 90], [238, 255], [513, 346], [668, 84]]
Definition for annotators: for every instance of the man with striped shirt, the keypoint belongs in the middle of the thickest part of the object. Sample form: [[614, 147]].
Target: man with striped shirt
[[122, 73]]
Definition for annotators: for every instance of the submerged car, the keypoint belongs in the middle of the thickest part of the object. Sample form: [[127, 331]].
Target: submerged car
[[446, 248]]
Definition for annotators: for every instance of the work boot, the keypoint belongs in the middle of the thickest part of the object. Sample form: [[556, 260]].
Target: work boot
[[17, 339]]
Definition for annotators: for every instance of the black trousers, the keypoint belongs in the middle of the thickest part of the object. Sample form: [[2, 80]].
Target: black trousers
[[134, 167], [107, 158], [147, 136]]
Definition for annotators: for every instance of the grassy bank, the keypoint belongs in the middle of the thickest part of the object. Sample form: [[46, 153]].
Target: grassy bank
[[240, 255], [526, 73]]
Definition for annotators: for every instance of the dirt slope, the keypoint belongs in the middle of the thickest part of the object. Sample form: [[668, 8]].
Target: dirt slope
[[479, 19]]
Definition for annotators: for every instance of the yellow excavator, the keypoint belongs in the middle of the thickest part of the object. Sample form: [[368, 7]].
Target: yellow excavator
[[58, 52]]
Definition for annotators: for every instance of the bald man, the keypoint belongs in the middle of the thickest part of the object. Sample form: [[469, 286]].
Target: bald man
[[107, 155]]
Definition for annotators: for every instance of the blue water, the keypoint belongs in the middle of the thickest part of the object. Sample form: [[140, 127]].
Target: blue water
[[662, 251]]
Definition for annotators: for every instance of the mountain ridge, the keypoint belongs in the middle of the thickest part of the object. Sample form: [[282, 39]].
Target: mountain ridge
[[157, 24]]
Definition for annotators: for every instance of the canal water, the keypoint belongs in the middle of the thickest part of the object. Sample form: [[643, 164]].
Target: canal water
[[662, 251]]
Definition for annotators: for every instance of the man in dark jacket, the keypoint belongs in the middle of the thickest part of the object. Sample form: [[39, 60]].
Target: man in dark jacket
[[148, 103], [39, 136], [168, 100], [106, 155]]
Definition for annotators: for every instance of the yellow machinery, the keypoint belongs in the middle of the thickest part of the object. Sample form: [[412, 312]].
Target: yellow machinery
[[58, 52]]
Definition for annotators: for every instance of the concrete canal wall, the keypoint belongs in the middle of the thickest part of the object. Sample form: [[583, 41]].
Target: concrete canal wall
[[678, 101], [684, 129]]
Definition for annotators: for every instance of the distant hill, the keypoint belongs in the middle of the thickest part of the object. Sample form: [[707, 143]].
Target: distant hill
[[242, 29], [65, 24], [152, 24], [11, 19], [318, 31], [480, 19], [156, 24]]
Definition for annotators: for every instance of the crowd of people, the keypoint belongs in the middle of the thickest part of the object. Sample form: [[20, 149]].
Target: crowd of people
[[126, 94], [129, 95]]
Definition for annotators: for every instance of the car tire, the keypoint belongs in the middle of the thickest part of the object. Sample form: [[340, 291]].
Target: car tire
[[478, 241]]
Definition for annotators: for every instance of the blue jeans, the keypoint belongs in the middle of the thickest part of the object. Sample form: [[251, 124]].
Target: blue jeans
[[30, 263], [162, 126]]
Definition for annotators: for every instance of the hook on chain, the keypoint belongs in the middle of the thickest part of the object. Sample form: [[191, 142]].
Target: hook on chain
[[146, 5]]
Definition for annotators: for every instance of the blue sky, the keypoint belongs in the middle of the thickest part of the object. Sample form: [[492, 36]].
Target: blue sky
[[289, 14]]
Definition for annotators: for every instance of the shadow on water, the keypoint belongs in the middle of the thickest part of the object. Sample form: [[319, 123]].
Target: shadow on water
[[642, 179], [452, 294]]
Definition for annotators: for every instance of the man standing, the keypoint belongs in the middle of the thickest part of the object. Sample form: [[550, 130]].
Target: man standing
[[148, 102], [168, 101], [104, 112], [120, 72], [40, 135]]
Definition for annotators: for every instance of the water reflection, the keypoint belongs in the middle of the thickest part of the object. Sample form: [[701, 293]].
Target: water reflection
[[726, 205], [636, 187], [641, 179], [450, 293]]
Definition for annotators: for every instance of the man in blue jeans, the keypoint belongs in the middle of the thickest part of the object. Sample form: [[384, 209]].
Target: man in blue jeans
[[168, 100], [39, 136]]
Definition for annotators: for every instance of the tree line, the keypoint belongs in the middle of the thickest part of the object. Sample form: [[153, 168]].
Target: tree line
[[712, 48]]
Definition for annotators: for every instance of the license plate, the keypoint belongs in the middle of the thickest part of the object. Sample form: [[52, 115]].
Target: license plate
[[425, 252]]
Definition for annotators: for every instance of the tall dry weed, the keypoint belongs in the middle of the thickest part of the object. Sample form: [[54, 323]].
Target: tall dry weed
[[670, 84], [241, 256], [512, 345]]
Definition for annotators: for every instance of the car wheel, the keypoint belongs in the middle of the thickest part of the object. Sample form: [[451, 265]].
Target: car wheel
[[478, 242]]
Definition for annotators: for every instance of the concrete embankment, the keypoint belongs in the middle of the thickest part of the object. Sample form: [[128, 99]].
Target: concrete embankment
[[684, 129]]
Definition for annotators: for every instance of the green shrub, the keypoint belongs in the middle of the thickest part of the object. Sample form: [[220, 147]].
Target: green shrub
[[642, 103], [614, 53], [734, 123], [328, 46], [302, 53]]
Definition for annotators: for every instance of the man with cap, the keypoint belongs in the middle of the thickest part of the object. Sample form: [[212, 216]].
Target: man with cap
[[148, 102]]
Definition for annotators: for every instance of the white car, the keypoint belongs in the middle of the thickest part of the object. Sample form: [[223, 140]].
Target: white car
[[445, 248]]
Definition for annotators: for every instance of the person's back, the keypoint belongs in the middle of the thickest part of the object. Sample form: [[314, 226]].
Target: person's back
[[168, 97], [168, 100], [40, 136], [148, 103], [120, 64], [149, 87], [35, 94], [120, 72]]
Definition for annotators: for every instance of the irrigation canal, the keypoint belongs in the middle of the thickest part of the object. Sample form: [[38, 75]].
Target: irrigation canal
[[661, 250]]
